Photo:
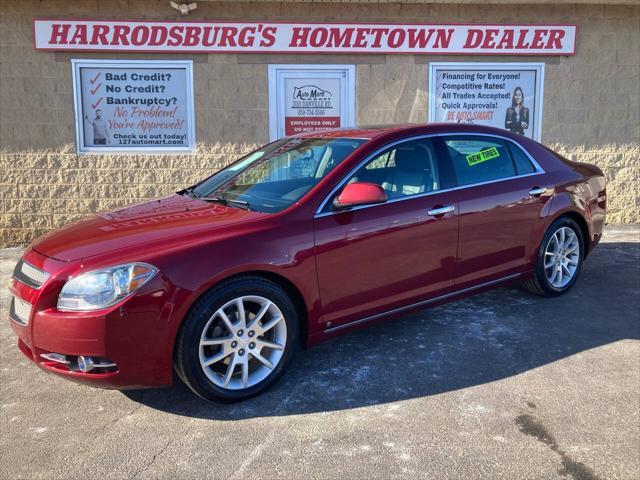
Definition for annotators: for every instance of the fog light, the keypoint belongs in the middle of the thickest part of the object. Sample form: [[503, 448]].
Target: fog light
[[85, 364]]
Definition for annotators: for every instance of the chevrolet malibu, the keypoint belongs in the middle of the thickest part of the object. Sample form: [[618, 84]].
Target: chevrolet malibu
[[300, 240]]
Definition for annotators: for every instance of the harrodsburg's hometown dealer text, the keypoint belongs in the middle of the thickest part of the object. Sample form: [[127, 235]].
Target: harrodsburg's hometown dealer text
[[281, 37], [142, 106]]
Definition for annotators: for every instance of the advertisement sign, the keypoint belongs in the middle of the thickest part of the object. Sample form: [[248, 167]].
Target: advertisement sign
[[301, 37], [310, 98], [503, 95], [133, 106]]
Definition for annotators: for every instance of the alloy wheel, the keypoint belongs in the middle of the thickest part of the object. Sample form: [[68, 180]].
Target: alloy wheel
[[243, 342], [561, 257]]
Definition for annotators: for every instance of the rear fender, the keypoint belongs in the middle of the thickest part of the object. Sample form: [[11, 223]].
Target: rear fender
[[565, 203]]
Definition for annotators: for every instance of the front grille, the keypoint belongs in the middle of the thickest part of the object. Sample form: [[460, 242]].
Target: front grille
[[20, 311], [29, 275]]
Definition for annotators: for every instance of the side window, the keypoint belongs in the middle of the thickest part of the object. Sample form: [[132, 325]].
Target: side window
[[405, 169], [523, 164], [479, 159]]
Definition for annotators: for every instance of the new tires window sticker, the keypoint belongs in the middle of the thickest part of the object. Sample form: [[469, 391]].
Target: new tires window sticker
[[483, 156]]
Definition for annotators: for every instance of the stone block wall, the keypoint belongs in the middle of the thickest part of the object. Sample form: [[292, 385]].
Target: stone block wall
[[591, 101]]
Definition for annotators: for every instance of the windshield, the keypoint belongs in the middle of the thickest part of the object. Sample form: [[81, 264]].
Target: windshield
[[276, 175]]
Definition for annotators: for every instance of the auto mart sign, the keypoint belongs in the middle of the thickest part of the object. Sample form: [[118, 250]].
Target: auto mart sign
[[275, 37]]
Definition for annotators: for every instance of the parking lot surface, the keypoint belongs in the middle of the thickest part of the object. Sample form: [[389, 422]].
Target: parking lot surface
[[500, 385]]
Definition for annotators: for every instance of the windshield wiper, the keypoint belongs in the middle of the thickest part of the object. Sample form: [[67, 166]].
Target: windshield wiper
[[227, 202]]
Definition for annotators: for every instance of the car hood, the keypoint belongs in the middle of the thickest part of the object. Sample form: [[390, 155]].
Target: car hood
[[174, 217]]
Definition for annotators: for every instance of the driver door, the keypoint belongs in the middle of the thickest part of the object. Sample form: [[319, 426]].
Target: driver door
[[375, 258]]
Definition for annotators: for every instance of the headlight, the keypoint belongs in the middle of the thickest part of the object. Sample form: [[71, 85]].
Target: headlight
[[103, 288]]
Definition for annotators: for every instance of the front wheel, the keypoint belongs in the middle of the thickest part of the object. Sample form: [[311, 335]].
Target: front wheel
[[559, 259], [237, 340]]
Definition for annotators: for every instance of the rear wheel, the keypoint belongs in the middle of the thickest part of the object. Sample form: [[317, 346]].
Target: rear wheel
[[237, 340], [559, 259]]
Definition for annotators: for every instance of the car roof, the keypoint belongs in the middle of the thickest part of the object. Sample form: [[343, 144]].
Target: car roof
[[399, 131], [364, 132]]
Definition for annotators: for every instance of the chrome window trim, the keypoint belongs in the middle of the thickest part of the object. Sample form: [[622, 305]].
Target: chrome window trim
[[319, 213]]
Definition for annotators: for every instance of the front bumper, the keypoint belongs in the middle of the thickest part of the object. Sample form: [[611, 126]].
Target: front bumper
[[136, 335]]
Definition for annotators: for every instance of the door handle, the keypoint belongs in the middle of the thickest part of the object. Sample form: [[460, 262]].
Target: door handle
[[537, 191], [434, 212]]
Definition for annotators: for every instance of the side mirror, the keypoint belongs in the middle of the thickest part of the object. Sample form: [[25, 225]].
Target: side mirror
[[359, 193]]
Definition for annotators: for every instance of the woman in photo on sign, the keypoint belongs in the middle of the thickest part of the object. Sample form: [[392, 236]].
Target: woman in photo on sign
[[517, 118]]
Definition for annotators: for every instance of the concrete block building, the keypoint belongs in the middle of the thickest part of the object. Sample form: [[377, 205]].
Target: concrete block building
[[591, 99]]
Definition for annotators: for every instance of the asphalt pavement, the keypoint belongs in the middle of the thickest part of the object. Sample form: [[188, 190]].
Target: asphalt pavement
[[501, 385]]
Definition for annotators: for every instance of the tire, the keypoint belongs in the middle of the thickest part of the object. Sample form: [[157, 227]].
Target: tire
[[543, 282], [213, 336]]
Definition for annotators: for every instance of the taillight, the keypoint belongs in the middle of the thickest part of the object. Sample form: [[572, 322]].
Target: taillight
[[602, 199]]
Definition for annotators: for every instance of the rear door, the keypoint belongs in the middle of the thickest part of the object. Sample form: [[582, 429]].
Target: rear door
[[501, 194], [380, 257]]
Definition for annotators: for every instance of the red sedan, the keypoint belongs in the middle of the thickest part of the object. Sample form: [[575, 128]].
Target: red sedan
[[304, 238]]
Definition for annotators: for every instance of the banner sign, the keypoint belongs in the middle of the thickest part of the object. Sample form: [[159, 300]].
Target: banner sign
[[309, 98], [503, 95], [299, 37], [133, 106]]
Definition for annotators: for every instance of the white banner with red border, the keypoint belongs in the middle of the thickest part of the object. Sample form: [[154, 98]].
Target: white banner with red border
[[300, 37]]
